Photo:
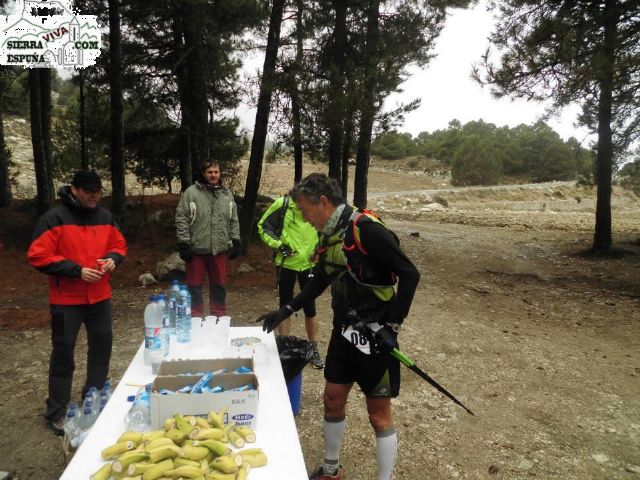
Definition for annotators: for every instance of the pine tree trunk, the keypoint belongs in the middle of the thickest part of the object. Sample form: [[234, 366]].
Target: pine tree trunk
[[45, 112], [604, 159], [336, 75], [118, 195], [5, 180], [186, 173], [197, 91], [295, 98], [260, 128], [84, 159], [37, 142], [346, 152], [368, 106]]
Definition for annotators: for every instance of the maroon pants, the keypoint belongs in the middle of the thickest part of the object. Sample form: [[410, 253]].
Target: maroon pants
[[215, 266]]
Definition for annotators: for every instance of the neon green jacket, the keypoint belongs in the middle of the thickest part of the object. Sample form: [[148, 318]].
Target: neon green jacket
[[296, 233]]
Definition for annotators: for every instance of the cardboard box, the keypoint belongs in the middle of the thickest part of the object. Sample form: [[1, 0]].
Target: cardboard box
[[242, 407], [177, 367]]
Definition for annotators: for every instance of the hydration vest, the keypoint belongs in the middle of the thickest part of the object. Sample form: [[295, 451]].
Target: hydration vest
[[342, 254]]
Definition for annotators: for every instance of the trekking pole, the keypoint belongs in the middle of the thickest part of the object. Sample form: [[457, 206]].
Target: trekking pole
[[410, 364], [407, 362]]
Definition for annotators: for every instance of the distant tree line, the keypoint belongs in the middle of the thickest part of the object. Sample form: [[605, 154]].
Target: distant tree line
[[479, 153], [162, 97]]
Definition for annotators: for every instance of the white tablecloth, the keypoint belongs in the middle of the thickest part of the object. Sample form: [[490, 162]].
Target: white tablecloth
[[276, 432]]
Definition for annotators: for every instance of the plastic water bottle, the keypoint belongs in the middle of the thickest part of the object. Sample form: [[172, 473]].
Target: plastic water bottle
[[152, 326], [93, 395], [172, 295], [164, 329], [138, 419], [106, 389], [88, 416], [103, 403], [183, 322], [71, 428]]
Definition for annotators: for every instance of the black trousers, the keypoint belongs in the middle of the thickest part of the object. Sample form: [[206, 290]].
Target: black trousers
[[287, 282], [65, 325]]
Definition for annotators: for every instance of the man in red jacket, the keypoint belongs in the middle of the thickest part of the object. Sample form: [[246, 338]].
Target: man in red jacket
[[78, 245]]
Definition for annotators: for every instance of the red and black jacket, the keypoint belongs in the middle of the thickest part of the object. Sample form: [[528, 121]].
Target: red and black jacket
[[68, 238]]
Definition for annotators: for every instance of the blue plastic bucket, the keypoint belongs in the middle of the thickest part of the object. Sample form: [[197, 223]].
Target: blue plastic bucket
[[294, 388]]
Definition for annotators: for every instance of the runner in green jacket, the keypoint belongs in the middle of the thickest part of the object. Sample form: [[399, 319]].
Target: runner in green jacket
[[294, 241]]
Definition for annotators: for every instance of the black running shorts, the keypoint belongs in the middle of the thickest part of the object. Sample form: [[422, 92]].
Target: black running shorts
[[376, 375]]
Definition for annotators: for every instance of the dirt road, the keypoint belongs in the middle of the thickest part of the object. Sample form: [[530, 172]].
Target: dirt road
[[543, 343]]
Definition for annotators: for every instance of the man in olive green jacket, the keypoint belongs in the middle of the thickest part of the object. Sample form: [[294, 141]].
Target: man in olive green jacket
[[294, 241], [208, 232]]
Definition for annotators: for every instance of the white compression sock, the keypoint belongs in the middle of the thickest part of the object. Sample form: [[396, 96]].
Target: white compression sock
[[333, 431], [387, 448]]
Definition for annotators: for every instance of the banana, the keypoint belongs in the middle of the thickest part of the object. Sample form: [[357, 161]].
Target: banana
[[163, 453], [183, 462], [221, 476], [126, 459], [133, 436], [157, 443], [157, 470], [235, 439], [152, 435], [182, 424], [247, 433], [202, 422], [206, 434], [250, 451], [194, 452], [117, 449], [218, 448], [185, 472], [138, 468], [227, 463], [215, 420], [204, 465], [136, 477], [177, 436], [103, 473], [243, 473], [258, 459], [169, 423]]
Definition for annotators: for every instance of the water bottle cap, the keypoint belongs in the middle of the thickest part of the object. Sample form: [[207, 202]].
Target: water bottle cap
[[153, 298], [131, 398], [71, 413], [175, 282], [162, 296], [87, 410]]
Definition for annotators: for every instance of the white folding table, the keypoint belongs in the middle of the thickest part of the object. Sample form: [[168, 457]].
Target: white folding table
[[276, 432]]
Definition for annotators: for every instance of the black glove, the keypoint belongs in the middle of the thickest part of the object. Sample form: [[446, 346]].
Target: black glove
[[234, 251], [186, 254], [285, 250], [385, 339], [272, 319]]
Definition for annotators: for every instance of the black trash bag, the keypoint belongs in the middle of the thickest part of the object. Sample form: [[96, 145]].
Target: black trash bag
[[295, 353]]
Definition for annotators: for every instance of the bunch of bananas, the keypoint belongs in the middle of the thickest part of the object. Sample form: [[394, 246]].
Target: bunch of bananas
[[187, 448]]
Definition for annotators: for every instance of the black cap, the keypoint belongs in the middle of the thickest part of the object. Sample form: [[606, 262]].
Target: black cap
[[87, 180]]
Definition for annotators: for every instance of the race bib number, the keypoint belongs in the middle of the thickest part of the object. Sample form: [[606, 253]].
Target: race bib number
[[358, 339]]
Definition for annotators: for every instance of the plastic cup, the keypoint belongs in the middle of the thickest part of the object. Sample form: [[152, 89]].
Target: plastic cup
[[156, 360], [260, 355], [196, 324]]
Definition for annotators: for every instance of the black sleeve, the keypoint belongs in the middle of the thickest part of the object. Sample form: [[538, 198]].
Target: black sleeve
[[384, 250], [313, 289]]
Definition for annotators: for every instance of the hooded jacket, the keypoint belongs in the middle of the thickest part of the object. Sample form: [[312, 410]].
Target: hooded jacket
[[207, 219], [295, 232], [68, 238]]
